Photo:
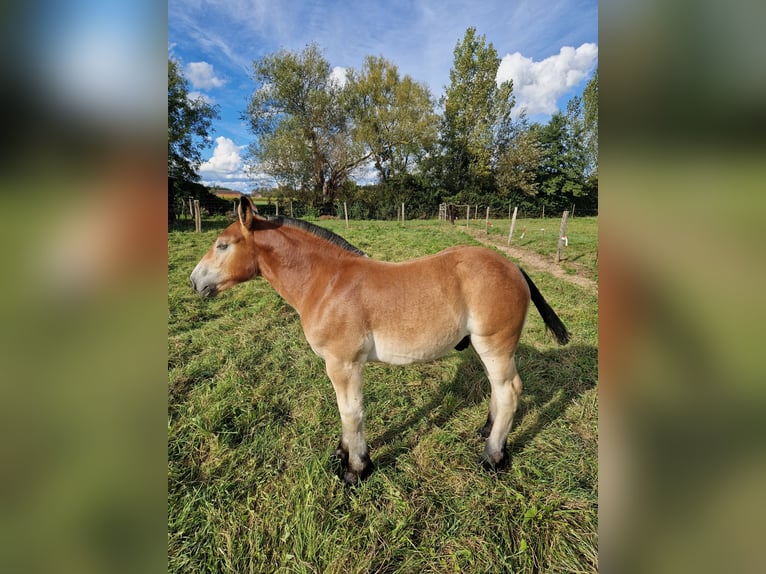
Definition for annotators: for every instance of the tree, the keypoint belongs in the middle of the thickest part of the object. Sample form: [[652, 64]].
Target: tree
[[553, 169], [576, 158], [519, 161], [563, 170], [476, 120], [590, 106], [393, 117], [301, 117], [189, 127]]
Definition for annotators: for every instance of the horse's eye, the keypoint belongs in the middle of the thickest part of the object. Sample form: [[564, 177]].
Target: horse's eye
[[222, 246]]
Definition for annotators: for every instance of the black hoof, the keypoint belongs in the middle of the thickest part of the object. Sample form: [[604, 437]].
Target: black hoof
[[340, 456], [349, 476], [369, 467], [493, 464], [352, 479]]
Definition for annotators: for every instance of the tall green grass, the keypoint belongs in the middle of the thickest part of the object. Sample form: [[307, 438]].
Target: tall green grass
[[252, 424]]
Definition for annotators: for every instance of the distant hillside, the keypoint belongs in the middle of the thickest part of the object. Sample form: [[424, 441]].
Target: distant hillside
[[225, 193]]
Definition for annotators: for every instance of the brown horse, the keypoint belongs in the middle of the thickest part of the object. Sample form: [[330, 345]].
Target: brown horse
[[354, 309]]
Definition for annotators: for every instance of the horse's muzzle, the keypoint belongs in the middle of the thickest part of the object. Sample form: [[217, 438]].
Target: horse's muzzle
[[204, 289], [208, 291]]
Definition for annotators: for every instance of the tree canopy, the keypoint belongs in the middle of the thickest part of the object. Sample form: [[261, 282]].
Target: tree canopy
[[518, 160], [393, 117], [189, 127], [314, 131], [302, 119], [476, 119], [590, 111]]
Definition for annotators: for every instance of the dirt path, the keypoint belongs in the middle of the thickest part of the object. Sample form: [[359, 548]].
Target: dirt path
[[535, 261]]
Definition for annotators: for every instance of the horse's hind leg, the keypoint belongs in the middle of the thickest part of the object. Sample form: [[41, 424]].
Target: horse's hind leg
[[506, 391], [487, 428], [347, 381]]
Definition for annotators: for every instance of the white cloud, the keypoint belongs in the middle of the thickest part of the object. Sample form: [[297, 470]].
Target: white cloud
[[338, 76], [225, 168], [195, 95], [366, 173], [202, 76], [537, 85], [225, 159]]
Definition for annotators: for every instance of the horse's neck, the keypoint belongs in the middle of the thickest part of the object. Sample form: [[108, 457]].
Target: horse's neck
[[292, 261]]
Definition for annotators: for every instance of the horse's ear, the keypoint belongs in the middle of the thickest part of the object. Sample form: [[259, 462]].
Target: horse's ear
[[245, 212]]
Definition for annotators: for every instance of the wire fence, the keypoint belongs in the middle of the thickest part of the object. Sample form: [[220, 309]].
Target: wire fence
[[480, 213], [476, 214], [390, 211]]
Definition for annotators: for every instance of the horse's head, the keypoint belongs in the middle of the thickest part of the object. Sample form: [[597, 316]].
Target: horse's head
[[232, 258]]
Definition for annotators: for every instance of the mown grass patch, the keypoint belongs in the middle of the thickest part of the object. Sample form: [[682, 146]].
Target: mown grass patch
[[252, 422]]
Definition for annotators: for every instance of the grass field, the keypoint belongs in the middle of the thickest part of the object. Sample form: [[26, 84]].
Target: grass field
[[252, 424]]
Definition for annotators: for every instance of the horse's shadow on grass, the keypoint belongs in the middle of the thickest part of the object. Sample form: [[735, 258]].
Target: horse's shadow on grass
[[552, 381]]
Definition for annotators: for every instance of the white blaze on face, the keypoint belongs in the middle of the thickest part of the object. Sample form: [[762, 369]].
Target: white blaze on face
[[209, 275], [205, 278]]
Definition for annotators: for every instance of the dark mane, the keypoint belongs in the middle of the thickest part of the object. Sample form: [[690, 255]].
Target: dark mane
[[321, 232]]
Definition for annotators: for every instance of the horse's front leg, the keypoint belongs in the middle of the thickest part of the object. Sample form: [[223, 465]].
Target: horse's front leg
[[346, 378]]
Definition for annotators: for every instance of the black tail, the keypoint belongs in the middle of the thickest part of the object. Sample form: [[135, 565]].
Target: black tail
[[550, 318]]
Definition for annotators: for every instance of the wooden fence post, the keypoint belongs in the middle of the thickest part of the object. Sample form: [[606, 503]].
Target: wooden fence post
[[562, 234], [345, 212], [402, 213], [486, 222], [513, 223], [197, 217]]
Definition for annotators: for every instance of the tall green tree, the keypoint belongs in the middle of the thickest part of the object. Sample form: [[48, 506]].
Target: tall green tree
[[590, 108], [519, 161], [562, 177], [476, 120], [393, 117], [302, 120], [576, 145], [553, 173], [189, 127]]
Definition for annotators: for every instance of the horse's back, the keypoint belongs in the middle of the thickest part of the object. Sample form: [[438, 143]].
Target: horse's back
[[454, 281]]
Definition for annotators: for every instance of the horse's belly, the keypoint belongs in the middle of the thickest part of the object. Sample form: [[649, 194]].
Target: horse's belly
[[402, 352]]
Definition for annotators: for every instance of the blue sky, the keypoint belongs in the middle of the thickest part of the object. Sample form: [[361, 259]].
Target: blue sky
[[549, 48]]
